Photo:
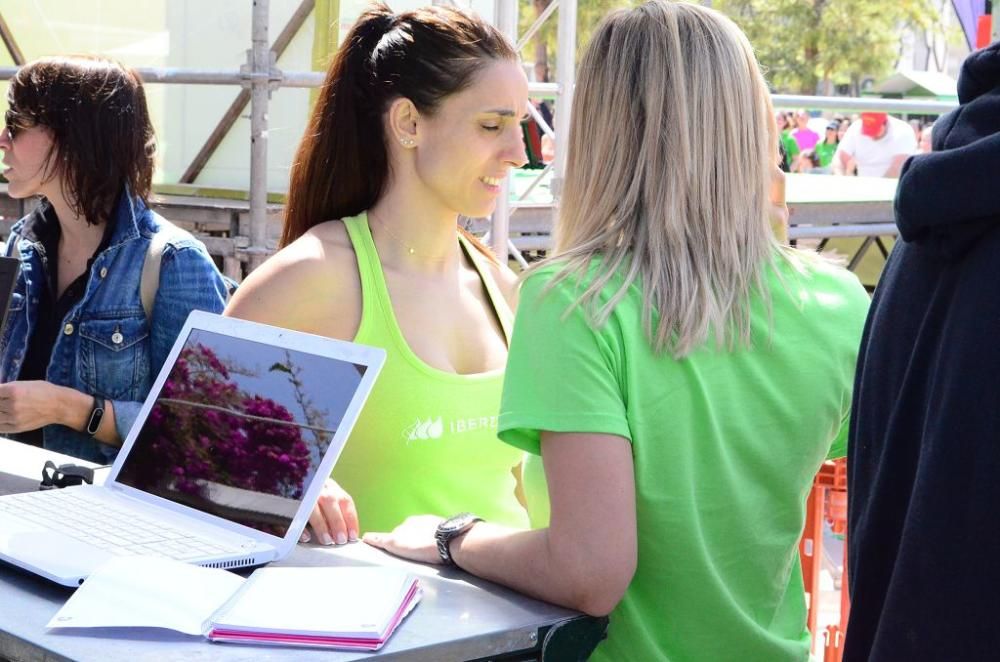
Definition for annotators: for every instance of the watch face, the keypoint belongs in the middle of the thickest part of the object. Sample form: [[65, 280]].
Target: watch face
[[452, 528], [457, 523]]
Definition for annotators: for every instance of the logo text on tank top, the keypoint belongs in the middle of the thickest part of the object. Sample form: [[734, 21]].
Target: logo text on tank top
[[435, 428]]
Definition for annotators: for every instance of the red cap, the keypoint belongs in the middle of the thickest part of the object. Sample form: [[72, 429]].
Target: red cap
[[872, 123]]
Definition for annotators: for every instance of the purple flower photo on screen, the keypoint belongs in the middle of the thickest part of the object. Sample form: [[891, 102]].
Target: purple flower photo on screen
[[235, 429], [227, 436]]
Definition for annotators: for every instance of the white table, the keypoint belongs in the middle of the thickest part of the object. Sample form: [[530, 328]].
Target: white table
[[459, 618]]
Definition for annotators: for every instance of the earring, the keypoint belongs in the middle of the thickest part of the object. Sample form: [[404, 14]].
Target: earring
[[408, 142]]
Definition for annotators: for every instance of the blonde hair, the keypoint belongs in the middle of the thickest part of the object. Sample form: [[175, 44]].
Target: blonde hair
[[671, 151]]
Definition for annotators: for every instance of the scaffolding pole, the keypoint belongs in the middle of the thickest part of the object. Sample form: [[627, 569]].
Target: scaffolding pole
[[261, 76], [506, 18], [565, 80], [862, 104], [537, 25], [995, 23], [306, 79], [8, 39], [243, 98], [260, 80]]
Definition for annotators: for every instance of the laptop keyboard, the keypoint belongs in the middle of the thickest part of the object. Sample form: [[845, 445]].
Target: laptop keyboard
[[120, 531]]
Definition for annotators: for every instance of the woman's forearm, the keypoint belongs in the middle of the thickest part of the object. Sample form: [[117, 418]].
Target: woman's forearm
[[73, 408], [572, 575]]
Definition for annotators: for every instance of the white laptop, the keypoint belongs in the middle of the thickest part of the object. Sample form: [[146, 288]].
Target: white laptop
[[223, 465]]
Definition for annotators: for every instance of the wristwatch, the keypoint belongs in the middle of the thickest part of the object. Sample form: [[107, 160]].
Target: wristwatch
[[96, 415], [450, 529]]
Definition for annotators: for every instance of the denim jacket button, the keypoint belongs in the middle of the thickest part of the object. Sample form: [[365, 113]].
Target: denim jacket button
[[104, 272], [117, 338], [68, 329]]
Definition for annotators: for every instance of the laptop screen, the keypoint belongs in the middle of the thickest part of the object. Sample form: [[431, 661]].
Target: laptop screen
[[240, 427]]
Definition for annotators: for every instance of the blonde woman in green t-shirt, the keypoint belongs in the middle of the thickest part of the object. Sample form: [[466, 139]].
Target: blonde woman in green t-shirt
[[418, 122], [681, 373]]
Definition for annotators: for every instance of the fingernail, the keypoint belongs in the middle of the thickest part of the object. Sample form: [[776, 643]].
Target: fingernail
[[305, 537], [341, 539], [327, 540], [352, 535]]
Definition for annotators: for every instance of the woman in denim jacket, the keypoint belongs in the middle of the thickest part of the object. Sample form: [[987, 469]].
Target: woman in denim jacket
[[79, 351]]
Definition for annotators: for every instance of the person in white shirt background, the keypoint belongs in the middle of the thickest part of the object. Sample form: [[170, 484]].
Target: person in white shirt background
[[875, 146]]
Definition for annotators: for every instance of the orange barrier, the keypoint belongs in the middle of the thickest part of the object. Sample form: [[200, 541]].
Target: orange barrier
[[984, 31], [827, 501], [833, 647]]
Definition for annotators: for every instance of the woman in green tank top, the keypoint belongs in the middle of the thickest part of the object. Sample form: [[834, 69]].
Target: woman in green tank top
[[418, 124]]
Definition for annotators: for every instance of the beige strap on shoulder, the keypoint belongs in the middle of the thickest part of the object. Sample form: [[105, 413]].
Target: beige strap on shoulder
[[149, 281]]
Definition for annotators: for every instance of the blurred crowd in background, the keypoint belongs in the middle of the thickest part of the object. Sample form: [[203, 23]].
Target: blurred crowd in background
[[872, 144]]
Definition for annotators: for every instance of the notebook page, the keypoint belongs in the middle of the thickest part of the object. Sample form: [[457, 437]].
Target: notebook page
[[347, 602], [133, 591]]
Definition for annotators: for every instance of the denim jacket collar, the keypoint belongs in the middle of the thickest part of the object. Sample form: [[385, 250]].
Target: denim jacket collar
[[126, 218]]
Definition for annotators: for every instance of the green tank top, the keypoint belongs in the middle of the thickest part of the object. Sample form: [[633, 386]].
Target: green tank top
[[425, 442]]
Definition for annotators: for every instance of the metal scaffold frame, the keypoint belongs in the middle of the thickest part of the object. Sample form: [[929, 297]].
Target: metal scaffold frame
[[260, 77], [561, 91]]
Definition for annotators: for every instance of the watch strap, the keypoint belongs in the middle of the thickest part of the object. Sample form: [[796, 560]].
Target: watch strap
[[96, 416], [449, 530]]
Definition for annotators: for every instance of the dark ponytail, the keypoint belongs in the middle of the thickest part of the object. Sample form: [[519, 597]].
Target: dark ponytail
[[342, 163]]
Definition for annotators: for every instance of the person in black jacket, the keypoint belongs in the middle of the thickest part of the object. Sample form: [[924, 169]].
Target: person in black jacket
[[924, 465]]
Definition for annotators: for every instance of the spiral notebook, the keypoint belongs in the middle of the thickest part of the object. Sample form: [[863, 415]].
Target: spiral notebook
[[353, 608]]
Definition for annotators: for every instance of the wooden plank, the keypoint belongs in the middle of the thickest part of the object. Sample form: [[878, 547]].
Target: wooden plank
[[233, 268], [223, 246], [221, 223]]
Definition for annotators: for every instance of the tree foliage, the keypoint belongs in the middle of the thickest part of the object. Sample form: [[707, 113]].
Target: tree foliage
[[542, 49], [805, 43], [800, 43]]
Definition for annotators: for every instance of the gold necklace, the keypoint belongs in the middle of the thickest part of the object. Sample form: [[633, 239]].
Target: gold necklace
[[392, 235], [409, 249]]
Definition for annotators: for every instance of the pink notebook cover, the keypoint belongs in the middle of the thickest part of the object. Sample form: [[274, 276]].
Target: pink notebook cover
[[320, 641]]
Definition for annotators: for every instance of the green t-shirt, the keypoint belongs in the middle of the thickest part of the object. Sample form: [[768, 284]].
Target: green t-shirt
[[791, 147], [824, 152], [725, 444]]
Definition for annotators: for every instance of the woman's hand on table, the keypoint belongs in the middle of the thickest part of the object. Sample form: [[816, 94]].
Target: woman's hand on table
[[414, 539], [334, 518]]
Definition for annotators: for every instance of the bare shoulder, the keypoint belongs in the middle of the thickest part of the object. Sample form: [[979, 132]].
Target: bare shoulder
[[507, 281], [310, 285]]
